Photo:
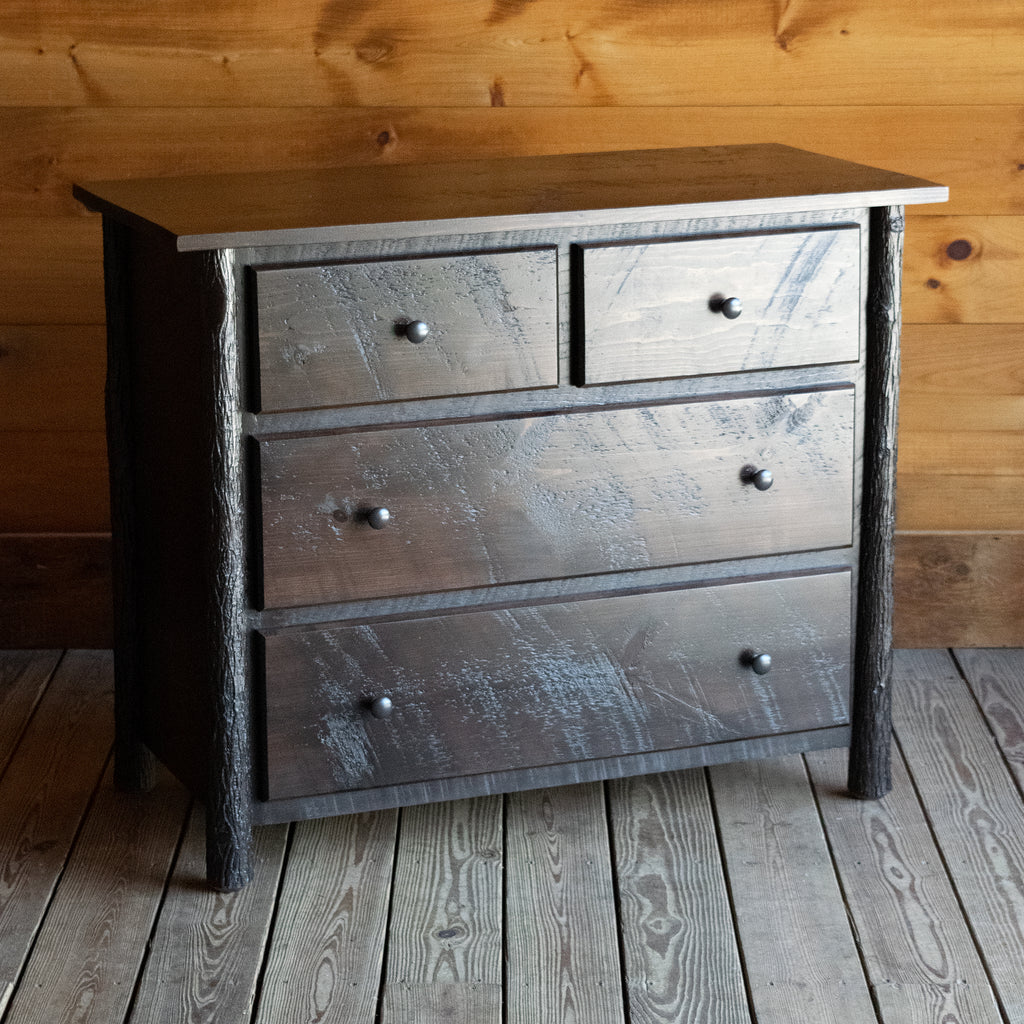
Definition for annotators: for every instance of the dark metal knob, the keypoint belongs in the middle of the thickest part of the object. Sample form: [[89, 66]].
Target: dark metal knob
[[416, 331], [381, 707], [758, 662], [762, 479], [729, 308], [378, 518]]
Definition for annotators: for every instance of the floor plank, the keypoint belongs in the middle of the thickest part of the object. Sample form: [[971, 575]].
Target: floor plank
[[23, 677], [800, 956], [91, 944], [44, 795], [444, 958], [996, 677], [327, 950], [974, 808], [562, 934], [680, 958], [921, 960], [207, 952]]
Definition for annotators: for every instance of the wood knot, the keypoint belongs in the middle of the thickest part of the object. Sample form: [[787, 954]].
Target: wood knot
[[374, 50], [961, 249], [497, 93], [933, 283]]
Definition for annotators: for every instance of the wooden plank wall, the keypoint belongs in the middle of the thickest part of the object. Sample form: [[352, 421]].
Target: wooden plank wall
[[93, 90]]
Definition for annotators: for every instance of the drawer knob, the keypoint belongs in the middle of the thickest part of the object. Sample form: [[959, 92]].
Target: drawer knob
[[758, 662], [762, 479], [378, 518], [730, 308], [416, 331], [381, 707]]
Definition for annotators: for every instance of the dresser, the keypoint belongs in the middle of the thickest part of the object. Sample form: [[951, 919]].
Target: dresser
[[431, 481]]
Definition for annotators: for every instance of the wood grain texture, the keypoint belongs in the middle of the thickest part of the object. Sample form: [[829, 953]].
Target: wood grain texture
[[799, 954], [23, 678], [45, 793], [446, 952], [872, 662], [649, 310], [91, 945], [334, 907], [974, 150], [524, 687], [332, 334], [917, 950], [963, 588], [995, 679], [964, 270], [973, 805], [402, 201], [562, 959], [968, 504], [206, 952], [594, 54], [680, 958], [542, 497]]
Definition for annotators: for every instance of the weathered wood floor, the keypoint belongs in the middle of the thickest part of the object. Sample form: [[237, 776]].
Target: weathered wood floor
[[753, 892]]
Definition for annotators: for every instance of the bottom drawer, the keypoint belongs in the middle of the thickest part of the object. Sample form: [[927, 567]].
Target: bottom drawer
[[487, 691]]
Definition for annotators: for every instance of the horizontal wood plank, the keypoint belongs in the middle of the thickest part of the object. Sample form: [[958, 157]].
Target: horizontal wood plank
[[964, 270], [453, 54], [54, 481], [51, 378], [961, 360], [958, 501], [971, 149], [964, 590]]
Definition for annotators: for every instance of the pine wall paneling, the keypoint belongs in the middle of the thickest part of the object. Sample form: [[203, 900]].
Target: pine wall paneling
[[91, 90]]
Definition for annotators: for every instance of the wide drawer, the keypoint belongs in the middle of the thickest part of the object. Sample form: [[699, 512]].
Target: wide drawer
[[338, 333], [542, 497], [489, 691], [658, 309]]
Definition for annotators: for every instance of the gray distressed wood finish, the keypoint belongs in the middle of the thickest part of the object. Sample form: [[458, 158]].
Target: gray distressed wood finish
[[650, 310], [553, 496], [483, 691], [332, 334], [187, 325]]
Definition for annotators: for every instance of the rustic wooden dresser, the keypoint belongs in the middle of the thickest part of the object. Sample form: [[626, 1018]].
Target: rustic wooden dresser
[[433, 481]]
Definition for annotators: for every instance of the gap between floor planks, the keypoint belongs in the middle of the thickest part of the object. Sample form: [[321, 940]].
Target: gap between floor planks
[[747, 892]]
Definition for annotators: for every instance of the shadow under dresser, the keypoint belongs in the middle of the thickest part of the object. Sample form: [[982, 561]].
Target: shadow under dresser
[[431, 481]]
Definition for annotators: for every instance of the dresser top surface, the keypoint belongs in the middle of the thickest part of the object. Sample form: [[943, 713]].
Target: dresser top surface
[[472, 196]]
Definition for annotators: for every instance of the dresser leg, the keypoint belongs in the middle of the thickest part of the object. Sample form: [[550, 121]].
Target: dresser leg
[[870, 771], [228, 852]]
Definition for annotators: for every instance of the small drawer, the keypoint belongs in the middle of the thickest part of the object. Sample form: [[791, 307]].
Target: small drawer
[[661, 309], [542, 497], [354, 333], [488, 691]]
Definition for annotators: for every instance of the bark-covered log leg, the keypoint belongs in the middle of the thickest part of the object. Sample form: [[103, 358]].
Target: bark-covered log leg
[[870, 768]]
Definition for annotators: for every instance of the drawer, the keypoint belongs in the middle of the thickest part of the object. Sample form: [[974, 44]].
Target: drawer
[[542, 497], [338, 333], [487, 691], [656, 310]]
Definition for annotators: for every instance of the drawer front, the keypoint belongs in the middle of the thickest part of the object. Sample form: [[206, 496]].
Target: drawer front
[[475, 504], [337, 334], [655, 310], [488, 691]]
